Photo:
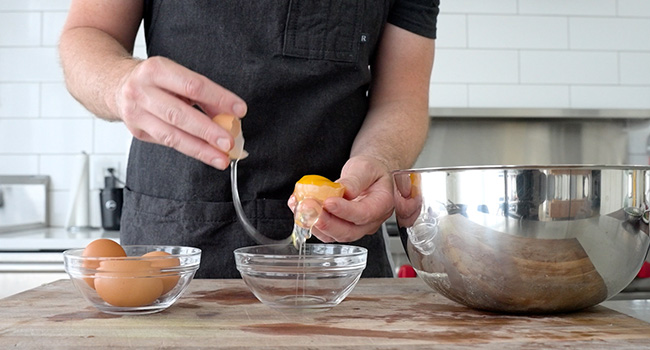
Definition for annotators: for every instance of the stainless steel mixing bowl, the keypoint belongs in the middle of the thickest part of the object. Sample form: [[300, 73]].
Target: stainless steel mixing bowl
[[525, 239]]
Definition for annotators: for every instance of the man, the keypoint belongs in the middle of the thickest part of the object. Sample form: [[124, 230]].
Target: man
[[336, 88]]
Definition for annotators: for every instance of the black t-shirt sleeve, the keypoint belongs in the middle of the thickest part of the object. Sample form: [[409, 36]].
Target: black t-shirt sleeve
[[417, 16]]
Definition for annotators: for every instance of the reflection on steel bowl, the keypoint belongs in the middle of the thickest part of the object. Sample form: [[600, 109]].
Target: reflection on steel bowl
[[525, 239]]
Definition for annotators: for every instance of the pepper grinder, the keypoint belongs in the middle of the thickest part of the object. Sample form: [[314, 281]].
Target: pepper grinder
[[111, 198]]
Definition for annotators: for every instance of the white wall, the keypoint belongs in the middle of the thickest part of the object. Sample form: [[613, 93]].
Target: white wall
[[543, 53], [496, 53], [43, 130]]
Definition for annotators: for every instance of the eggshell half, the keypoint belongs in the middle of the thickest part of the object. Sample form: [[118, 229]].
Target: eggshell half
[[233, 125]]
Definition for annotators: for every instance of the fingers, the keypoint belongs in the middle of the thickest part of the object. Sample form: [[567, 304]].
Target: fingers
[[156, 103], [331, 228], [359, 174], [184, 82], [164, 134], [175, 112], [367, 203], [349, 220]]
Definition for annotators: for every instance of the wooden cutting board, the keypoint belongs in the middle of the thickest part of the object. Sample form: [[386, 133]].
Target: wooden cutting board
[[379, 314]]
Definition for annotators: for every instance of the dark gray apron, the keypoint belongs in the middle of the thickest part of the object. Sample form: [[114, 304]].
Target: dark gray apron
[[302, 68]]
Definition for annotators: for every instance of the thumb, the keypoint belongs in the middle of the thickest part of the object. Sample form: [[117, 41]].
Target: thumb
[[353, 186]]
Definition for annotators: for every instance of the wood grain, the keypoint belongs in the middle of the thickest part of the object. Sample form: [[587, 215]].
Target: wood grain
[[379, 314]]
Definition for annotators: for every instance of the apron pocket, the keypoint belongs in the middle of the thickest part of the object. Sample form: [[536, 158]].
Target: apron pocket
[[325, 30], [154, 220]]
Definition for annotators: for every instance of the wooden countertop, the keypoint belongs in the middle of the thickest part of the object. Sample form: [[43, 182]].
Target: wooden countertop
[[378, 314]]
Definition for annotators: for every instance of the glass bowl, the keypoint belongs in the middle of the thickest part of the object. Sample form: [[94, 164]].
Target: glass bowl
[[318, 279], [133, 284]]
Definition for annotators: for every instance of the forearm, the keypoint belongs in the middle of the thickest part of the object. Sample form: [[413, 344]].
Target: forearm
[[397, 123], [394, 133], [94, 64]]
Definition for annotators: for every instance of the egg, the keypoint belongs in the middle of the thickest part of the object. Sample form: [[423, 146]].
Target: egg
[[232, 124], [128, 283], [165, 261], [100, 248], [307, 199], [317, 187]]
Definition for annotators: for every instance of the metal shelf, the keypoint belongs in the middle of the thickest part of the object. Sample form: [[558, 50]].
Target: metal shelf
[[539, 113]]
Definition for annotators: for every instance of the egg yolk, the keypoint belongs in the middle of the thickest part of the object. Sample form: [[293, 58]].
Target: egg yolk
[[317, 187]]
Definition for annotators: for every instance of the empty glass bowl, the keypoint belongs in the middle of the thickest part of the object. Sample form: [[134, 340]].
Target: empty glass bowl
[[133, 284], [318, 279]]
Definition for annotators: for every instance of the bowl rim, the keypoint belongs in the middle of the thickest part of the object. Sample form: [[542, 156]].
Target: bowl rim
[[524, 167], [243, 251], [72, 258], [193, 251]]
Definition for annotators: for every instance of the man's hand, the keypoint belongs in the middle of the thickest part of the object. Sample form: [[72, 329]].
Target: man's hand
[[367, 203], [155, 101]]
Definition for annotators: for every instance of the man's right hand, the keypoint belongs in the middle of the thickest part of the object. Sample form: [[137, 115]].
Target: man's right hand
[[156, 103], [155, 98]]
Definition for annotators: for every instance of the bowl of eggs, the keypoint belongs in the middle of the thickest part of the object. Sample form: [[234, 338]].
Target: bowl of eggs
[[316, 277], [137, 279]]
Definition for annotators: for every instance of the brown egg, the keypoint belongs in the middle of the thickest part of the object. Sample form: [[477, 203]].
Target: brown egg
[[100, 248], [171, 279], [127, 283]]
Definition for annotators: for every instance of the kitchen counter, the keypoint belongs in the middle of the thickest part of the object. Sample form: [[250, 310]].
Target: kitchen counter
[[52, 239], [378, 314], [29, 258]]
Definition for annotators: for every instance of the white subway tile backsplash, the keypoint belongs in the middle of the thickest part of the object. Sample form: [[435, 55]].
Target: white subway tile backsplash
[[511, 32], [18, 164], [57, 102], [519, 96], [110, 137], [34, 5], [140, 52], [478, 6], [19, 100], [452, 31], [571, 7], [52, 26], [634, 8], [635, 68], [569, 67], [610, 97], [20, 29], [38, 64], [448, 95], [105, 161], [59, 207], [45, 136], [60, 168], [139, 38], [609, 34], [480, 66]]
